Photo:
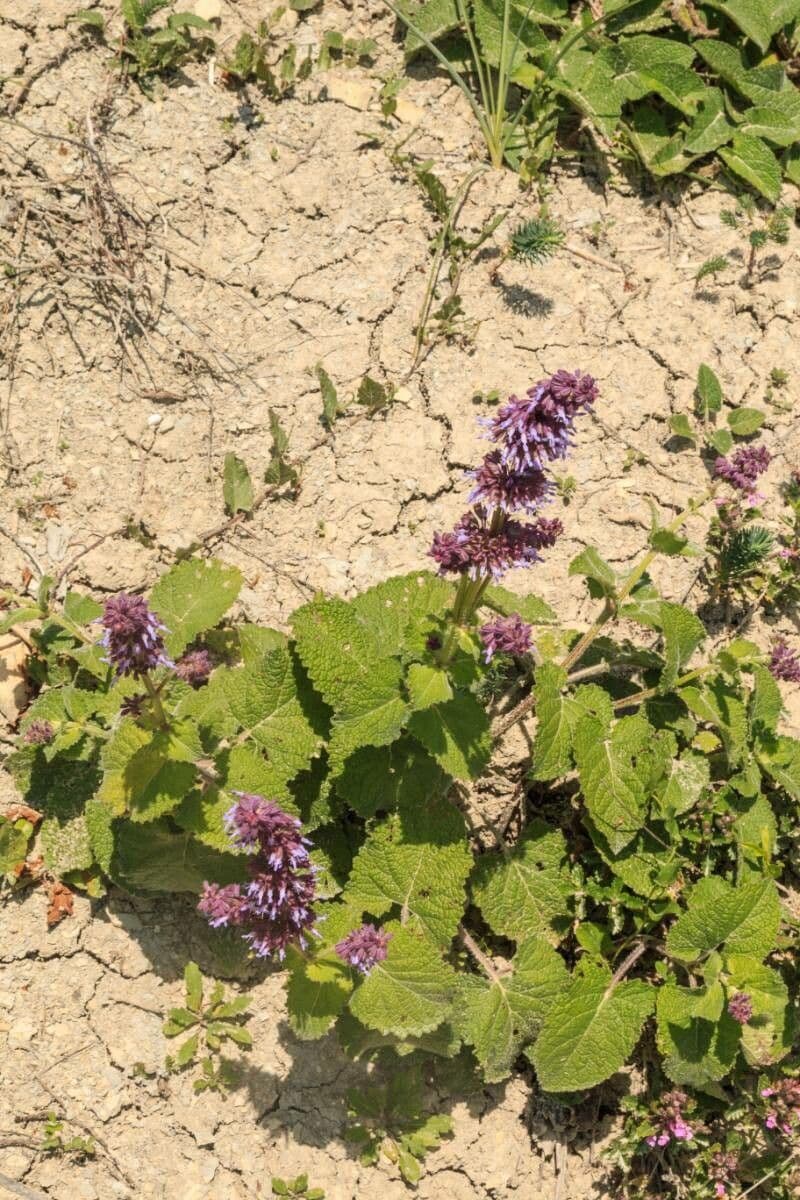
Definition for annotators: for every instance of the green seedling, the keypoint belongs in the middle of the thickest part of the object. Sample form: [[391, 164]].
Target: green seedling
[[208, 1026]]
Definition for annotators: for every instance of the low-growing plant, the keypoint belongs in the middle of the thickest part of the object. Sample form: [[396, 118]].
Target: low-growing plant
[[442, 316], [263, 60], [390, 1120], [146, 51], [208, 1024], [55, 1141], [317, 790], [677, 88], [296, 1187], [758, 228]]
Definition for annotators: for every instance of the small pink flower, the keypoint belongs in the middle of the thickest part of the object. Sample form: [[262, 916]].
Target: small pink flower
[[768, 1091], [771, 1121], [719, 1189], [681, 1130]]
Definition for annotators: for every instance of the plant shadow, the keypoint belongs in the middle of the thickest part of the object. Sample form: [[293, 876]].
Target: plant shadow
[[523, 301]]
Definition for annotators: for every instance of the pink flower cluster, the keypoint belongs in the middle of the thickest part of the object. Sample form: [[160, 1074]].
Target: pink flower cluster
[[669, 1119], [783, 1114]]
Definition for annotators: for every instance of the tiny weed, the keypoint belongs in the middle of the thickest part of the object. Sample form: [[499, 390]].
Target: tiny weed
[[758, 228], [54, 1141], [208, 1025], [146, 51], [296, 1187]]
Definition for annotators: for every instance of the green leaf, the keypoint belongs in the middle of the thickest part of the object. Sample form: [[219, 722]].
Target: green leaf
[[498, 1016], [707, 393], [742, 422], [532, 609], [720, 440], [752, 160], [698, 1040], [65, 842], [81, 609], [680, 426], [14, 838], [613, 787], [237, 490], [767, 1036], [187, 1050], [766, 702], [720, 705], [141, 776], [362, 688], [330, 400], [683, 632], [428, 685], [433, 18], [153, 857], [418, 860], [594, 568], [373, 395], [265, 701], [192, 598], [280, 470], [684, 782], [780, 758], [457, 734], [752, 17], [527, 890], [398, 615], [590, 1033], [88, 16], [745, 918], [770, 123], [384, 778], [193, 981], [313, 1005], [411, 991], [710, 128]]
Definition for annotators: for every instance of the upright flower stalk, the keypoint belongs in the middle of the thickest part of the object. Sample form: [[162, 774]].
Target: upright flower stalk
[[528, 433]]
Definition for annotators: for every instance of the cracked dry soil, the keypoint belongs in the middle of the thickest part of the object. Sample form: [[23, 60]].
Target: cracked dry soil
[[257, 249]]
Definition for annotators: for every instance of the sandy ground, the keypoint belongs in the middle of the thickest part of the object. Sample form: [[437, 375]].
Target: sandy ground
[[262, 248]]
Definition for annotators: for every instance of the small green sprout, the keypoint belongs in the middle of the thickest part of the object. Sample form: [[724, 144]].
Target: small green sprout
[[296, 1187], [208, 1026]]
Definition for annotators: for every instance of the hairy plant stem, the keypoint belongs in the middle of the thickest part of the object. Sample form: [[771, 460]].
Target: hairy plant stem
[[468, 597], [609, 611], [485, 963], [155, 702]]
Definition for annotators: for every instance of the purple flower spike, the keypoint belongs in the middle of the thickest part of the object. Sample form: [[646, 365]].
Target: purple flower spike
[[195, 667], [784, 1112], [784, 663], [537, 429], [497, 485], [740, 1007], [475, 546], [275, 908], [364, 947], [222, 905], [742, 471], [39, 733], [506, 635], [132, 637]]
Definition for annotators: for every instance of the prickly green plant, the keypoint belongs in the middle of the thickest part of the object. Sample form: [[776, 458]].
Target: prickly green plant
[[711, 268], [318, 787], [535, 241], [208, 1025], [759, 228]]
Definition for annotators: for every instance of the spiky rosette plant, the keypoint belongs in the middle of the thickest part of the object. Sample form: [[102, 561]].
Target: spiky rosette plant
[[319, 791]]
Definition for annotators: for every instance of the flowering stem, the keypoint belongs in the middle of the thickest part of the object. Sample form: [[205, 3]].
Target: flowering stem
[[155, 701]]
